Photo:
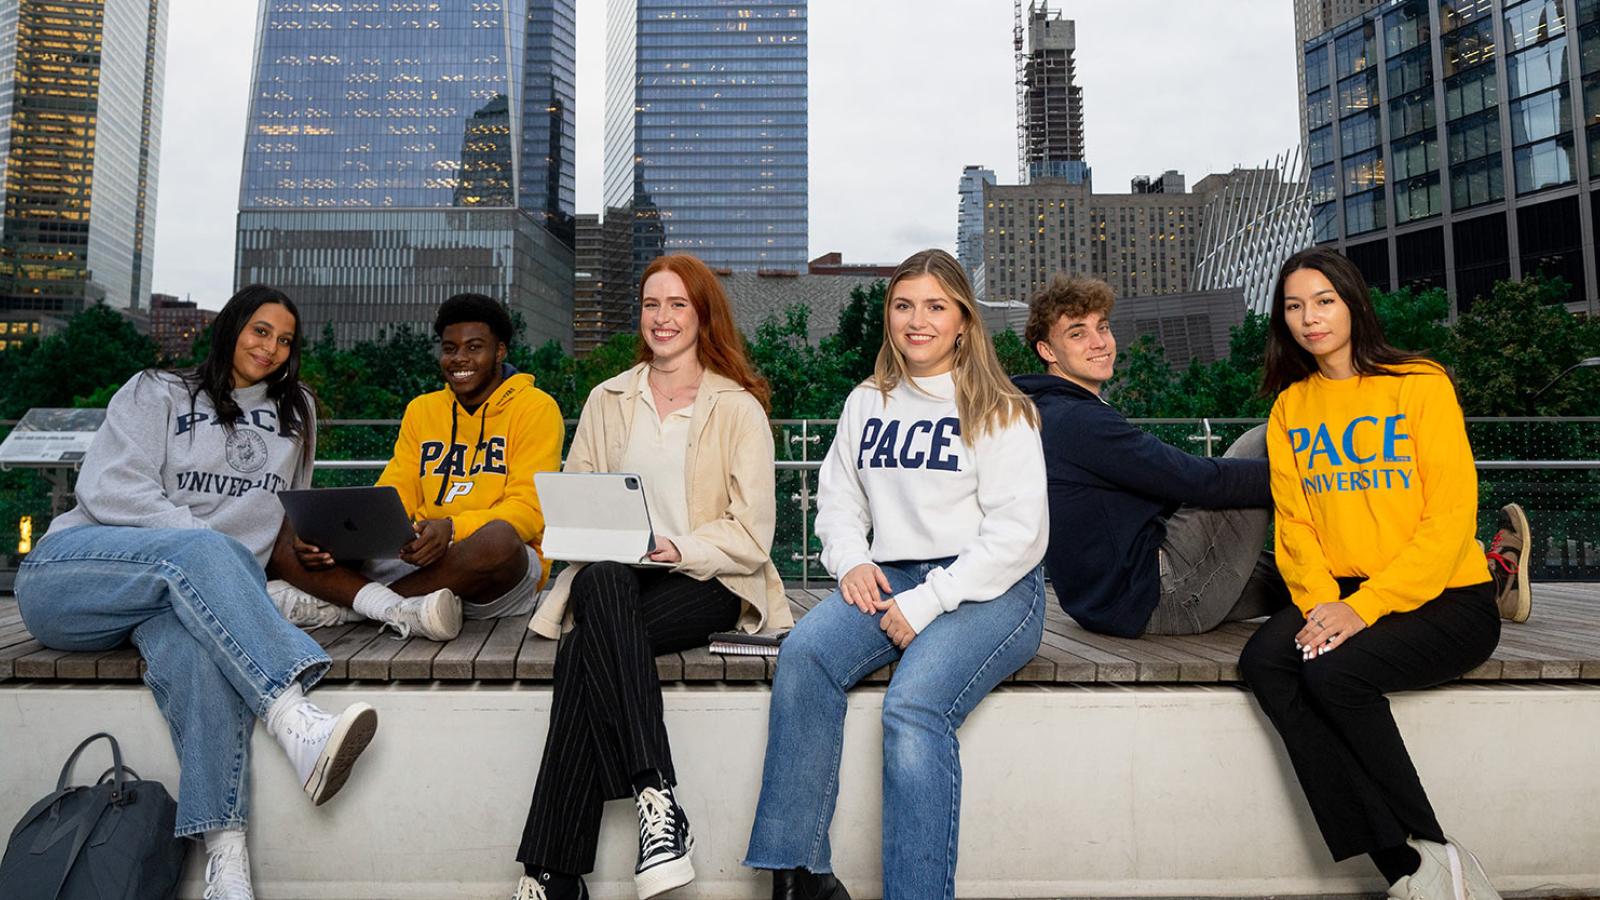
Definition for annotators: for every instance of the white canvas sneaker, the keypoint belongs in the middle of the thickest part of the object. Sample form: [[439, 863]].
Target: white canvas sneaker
[[323, 747], [1439, 877], [228, 874], [435, 616], [306, 610]]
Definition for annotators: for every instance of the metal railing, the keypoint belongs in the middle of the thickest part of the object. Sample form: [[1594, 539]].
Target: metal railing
[[1549, 465]]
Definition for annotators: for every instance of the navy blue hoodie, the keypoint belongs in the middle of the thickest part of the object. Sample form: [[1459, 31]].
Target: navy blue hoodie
[[1112, 487]]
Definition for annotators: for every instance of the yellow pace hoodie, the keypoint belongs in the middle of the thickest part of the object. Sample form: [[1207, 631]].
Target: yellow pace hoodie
[[1373, 477], [473, 468]]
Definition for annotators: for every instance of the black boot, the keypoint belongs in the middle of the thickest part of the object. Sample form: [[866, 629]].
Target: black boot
[[800, 884]]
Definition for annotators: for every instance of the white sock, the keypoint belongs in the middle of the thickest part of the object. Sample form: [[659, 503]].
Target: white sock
[[291, 698], [222, 839], [375, 600]]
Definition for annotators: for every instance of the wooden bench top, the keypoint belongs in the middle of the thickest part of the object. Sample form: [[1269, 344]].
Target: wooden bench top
[[1561, 642]]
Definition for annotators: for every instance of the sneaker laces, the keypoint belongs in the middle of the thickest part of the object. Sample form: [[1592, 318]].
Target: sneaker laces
[[228, 875], [529, 888], [656, 832], [404, 616]]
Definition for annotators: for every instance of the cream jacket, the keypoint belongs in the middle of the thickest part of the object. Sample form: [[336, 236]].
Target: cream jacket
[[730, 483]]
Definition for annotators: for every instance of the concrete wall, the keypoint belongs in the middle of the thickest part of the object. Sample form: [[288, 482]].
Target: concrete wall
[[1070, 791]]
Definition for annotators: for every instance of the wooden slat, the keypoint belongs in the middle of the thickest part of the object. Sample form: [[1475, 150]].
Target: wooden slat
[[745, 668], [454, 660], [536, 661], [39, 664], [497, 658], [10, 655], [414, 662], [669, 667], [120, 665], [371, 663], [82, 666], [349, 644], [700, 664]]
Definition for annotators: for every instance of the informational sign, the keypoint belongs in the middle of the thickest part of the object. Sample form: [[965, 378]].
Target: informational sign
[[51, 437]]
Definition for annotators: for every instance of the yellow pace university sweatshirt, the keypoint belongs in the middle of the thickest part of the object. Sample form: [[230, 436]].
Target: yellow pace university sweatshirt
[[474, 468], [1372, 477]]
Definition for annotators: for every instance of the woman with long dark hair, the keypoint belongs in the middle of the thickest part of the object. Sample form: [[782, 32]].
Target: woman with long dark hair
[[176, 517], [1376, 499], [691, 421], [932, 516]]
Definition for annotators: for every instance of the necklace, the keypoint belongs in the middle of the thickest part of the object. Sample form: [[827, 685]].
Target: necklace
[[672, 398]]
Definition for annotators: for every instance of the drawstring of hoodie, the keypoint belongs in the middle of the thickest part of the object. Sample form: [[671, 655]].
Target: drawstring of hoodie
[[483, 424]]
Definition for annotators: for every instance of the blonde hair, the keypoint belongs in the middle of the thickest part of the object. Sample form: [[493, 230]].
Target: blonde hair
[[985, 398]]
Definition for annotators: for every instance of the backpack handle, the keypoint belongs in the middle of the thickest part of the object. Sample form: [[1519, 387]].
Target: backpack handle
[[116, 763]]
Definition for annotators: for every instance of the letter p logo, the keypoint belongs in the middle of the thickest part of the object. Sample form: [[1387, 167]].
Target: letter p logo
[[457, 488]]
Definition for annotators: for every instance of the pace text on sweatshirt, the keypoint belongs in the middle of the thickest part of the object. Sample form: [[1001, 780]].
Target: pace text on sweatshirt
[[1372, 477], [902, 473]]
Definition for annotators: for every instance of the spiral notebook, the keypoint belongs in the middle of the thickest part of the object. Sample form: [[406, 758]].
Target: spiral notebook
[[738, 643]]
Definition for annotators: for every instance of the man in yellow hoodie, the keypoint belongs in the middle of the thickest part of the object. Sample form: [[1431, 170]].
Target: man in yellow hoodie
[[463, 466]]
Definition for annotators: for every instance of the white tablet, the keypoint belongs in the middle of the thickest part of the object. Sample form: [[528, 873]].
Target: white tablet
[[595, 517]]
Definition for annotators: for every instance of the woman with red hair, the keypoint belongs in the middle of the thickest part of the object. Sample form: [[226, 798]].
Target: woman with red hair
[[689, 419]]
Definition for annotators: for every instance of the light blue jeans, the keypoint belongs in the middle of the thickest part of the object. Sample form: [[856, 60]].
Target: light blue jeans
[[216, 650], [942, 676]]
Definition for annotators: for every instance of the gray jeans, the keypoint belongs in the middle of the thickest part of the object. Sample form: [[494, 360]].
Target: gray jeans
[[1213, 565]]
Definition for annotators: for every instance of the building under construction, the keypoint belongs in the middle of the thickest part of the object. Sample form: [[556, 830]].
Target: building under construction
[[1049, 101]]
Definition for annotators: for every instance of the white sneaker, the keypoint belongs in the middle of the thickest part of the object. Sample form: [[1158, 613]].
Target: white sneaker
[[307, 610], [323, 747], [1439, 877], [1478, 885], [435, 616], [228, 875]]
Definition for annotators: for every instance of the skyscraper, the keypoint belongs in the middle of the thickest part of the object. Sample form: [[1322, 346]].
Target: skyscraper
[[399, 153], [705, 131], [1051, 126], [1313, 17], [969, 223], [80, 126]]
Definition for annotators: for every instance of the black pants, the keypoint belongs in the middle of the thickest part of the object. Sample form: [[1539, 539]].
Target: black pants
[[1335, 722], [606, 720]]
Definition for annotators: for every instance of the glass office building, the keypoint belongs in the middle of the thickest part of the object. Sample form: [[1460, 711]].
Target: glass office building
[[400, 153], [706, 129], [1453, 143], [80, 123]]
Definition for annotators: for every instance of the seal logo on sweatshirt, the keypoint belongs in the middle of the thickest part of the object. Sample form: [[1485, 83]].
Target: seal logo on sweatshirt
[[246, 451]]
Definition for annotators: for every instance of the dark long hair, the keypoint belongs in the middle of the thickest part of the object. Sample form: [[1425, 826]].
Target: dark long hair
[[214, 375], [1287, 362], [721, 346]]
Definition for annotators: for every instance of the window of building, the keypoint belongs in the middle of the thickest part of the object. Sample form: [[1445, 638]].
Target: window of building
[[1356, 49], [1455, 13], [1319, 109], [1363, 172], [1476, 182], [1323, 181], [1474, 137], [1320, 146], [1358, 133], [1585, 11], [1417, 198], [1537, 69], [1541, 116], [1470, 92], [1363, 213], [1358, 92], [1468, 46], [1542, 165], [1406, 27], [1410, 71], [1317, 68], [1411, 114], [1325, 223], [1482, 256], [1534, 22], [1414, 156]]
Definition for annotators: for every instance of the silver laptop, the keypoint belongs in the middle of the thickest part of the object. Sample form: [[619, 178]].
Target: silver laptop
[[350, 522], [595, 517]]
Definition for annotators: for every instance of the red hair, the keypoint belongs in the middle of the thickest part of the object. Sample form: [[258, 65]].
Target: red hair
[[722, 346]]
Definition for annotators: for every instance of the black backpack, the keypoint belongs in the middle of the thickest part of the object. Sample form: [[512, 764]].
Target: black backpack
[[111, 840]]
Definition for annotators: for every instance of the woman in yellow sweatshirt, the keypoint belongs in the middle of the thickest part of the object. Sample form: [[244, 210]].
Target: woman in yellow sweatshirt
[[1376, 501]]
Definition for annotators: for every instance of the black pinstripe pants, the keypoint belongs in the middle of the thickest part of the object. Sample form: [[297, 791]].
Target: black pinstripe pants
[[606, 720]]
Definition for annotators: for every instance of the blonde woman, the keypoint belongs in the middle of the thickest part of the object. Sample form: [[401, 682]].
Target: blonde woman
[[937, 458]]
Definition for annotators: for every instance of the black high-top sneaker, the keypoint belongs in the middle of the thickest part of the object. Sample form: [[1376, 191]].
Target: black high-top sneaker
[[801, 884], [664, 844]]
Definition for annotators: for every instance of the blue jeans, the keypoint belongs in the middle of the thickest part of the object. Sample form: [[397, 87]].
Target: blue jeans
[[216, 650], [942, 676]]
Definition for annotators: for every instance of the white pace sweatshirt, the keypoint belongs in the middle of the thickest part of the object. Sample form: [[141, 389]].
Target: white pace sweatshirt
[[901, 472]]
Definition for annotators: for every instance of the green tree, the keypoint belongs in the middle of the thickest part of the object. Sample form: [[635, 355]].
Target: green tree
[[855, 341], [1509, 345], [1415, 320], [1016, 357], [1144, 383], [99, 348]]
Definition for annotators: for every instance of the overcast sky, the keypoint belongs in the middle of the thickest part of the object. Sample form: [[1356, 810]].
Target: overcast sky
[[904, 93]]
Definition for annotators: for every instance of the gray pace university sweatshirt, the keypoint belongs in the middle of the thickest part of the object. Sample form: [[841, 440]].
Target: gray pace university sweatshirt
[[157, 464]]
